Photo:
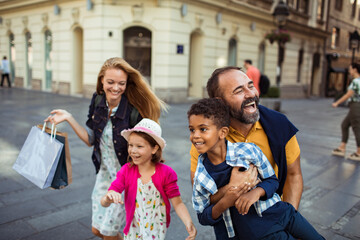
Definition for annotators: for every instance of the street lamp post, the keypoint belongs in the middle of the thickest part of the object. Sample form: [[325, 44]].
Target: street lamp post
[[281, 12], [354, 44]]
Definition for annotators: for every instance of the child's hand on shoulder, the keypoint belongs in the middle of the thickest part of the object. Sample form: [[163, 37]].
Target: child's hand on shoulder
[[111, 197], [190, 228]]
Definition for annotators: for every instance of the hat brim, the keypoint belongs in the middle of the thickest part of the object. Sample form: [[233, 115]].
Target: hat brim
[[126, 133]]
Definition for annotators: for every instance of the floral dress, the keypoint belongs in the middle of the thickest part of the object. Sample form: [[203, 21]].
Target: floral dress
[[149, 220], [111, 220]]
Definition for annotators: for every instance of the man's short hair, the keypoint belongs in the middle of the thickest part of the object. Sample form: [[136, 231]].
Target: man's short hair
[[213, 82], [248, 61], [212, 108]]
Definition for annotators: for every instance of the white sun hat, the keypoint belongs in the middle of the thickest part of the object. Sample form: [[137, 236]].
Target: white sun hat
[[149, 127]]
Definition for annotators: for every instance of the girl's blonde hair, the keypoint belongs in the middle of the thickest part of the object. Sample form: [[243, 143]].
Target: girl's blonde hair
[[157, 157], [137, 89]]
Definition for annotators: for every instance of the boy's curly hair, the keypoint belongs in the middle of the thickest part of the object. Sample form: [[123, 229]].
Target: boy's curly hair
[[212, 108]]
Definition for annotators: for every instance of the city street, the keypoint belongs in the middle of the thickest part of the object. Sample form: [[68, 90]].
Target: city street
[[330, 201]]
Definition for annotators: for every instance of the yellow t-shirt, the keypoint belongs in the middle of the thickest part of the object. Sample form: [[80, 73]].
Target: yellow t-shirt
[[257, 136]]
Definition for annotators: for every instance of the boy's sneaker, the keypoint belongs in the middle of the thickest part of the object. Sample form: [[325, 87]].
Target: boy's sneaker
[[354, 156], [338, 152]]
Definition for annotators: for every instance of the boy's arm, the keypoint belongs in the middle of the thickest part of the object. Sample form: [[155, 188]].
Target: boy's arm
[[210, 214], [244, 202], [202, 206], [227, 201]]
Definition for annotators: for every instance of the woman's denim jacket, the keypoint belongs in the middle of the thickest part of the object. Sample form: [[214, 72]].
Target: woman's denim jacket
[[97, 119]]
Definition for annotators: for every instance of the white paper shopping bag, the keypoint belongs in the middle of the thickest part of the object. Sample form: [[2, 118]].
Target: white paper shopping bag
[[38, 158]]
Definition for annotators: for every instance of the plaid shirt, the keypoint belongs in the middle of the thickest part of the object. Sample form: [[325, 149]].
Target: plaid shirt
[[237, 155]]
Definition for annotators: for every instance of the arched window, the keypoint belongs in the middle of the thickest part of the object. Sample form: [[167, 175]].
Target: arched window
[[137, 49], [48, 61], [300, 62], [78, 61], [28, 57], [261, 59], [12, 56], [232, 55]]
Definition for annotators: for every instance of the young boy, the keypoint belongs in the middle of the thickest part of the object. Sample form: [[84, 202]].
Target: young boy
[[260, 213]]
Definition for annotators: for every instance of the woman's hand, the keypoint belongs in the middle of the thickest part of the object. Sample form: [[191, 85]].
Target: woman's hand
[[334, 105], [57, 116]]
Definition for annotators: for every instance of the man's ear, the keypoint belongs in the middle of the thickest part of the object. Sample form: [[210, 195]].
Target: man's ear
[[224, 132]]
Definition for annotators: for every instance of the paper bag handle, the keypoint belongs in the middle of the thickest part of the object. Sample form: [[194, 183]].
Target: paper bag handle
[[53, 130]]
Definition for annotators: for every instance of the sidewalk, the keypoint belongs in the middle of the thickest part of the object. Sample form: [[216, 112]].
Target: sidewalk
[[330, 201]]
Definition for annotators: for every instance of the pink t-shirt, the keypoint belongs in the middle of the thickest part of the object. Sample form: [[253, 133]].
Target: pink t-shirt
[[254, 74], [164, 179]]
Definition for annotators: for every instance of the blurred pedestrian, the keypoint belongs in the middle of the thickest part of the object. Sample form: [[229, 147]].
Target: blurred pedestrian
[[253, 73], [121, 91], [353, 117], [5, 72], [149, 186]]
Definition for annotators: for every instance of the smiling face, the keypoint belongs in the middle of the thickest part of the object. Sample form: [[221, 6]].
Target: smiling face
[[114, 84], [240, 94], [140, 150], [204, 134]]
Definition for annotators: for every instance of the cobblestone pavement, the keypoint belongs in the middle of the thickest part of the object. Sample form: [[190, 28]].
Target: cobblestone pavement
[[330, 201]]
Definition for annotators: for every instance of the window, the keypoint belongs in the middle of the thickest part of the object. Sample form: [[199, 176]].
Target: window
[[48, 61], [335, 36], [28, 57], [338, 5], [12, 57], [232, 55], [299, 5], [353, 12], [320, 10], [137, 49], [261, 61], [292, 3], [300, 62], [303, 6]]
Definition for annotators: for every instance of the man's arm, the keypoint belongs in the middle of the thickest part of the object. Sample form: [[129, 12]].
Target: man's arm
[[294, 184], [237, 179]]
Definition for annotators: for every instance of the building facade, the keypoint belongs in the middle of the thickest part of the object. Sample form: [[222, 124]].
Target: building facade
[[60, 45], [343, 20]]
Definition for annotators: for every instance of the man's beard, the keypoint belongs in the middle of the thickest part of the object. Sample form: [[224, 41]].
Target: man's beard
[[241, 116]]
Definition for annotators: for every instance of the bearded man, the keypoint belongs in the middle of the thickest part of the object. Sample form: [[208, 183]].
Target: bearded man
[[268, 129]]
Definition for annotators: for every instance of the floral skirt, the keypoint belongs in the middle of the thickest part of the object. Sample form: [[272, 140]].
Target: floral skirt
[[111, 220]]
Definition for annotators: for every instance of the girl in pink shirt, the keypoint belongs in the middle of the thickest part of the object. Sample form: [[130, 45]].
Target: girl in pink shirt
[[148, 186]]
